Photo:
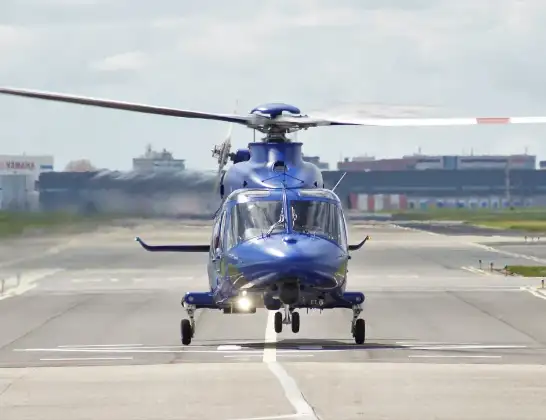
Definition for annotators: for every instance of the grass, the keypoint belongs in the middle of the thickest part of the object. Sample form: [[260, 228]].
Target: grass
[[530, 219], [527, 270], [16, 223]]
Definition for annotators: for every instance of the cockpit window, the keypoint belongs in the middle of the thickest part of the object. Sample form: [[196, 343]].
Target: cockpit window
[[255, 218], [319, 218]]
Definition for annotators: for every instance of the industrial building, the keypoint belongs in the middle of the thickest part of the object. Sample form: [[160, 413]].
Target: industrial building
[[153, 161], [315, 160], [19, 176], [423, 162]]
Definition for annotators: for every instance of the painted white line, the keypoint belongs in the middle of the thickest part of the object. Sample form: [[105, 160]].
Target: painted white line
[[534, 292], [445, 343], [78, 359], [446, 356], [286, 416], [98, 345], [508, 253], [228, 348], [158, 351], [270, 351], [465, 347], [290, 387], [261, 355], [27, 281], [477, 270]]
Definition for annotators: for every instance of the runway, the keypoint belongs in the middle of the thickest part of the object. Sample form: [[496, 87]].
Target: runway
[[89, 329]]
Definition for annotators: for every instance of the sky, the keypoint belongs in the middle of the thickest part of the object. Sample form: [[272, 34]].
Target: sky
[[392, 58]]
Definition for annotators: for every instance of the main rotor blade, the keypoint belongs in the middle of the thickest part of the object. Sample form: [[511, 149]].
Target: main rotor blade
[[126, 106], [424, 122]]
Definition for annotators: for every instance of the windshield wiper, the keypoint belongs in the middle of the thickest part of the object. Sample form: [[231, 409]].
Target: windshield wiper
[[277, 223]]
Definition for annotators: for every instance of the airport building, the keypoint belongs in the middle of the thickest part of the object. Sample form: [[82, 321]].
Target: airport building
[[315, 160], [19, 179], [423, 162], [153, 161]]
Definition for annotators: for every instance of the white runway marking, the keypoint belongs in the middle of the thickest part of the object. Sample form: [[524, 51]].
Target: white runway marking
[[465, 347], [99, 345], [25, 282], [478, 271], [228, 348], [535, 292], [160, 350], [79, 359], [447, 356], [290, 387]]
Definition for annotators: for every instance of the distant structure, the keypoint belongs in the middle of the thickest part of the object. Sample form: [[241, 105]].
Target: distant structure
[[153, 161], [424, 162], [323, 166], [19, 175], [80, 165]]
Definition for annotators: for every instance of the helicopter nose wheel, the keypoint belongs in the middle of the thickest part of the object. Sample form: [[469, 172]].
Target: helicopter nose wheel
[[290, 317]]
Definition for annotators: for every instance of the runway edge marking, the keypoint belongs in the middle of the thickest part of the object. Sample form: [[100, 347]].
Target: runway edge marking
[[28, 282], [289, 385], [534, 291]]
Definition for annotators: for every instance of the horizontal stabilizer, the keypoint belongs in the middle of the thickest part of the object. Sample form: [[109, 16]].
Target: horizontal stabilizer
[[358, 246], [173, 248]]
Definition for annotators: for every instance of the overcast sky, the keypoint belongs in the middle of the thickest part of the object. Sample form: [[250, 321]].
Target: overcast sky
[[365, 57]]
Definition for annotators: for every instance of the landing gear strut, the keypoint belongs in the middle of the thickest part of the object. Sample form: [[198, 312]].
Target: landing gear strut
[[187, 327], [290, 318], [358, 326]]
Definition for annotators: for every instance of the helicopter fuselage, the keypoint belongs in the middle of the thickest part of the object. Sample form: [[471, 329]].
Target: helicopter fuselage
[[271, 165], [290, 250]]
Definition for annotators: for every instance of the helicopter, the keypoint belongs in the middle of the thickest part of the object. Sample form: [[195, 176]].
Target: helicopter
[[279, 238]]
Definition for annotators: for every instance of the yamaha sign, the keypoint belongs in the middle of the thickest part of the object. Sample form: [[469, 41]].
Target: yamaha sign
[[17, 165], [9, 165]]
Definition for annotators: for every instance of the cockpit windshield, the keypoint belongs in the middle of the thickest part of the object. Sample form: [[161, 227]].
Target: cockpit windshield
[[319, 218], [255, 218]]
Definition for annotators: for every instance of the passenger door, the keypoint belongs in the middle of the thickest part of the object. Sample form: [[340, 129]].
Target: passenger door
[[219, 256], [214, 244]]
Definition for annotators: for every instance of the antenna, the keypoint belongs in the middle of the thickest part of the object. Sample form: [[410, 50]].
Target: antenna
[[507, 182], [339, 182]]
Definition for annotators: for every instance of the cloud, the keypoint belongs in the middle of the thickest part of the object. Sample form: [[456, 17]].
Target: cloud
[[389, 58], [13, 38], [128, 61]]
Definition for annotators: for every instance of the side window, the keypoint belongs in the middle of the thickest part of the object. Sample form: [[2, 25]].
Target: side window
[[215, 241], [231, 233], [342, 228], [221, 233]]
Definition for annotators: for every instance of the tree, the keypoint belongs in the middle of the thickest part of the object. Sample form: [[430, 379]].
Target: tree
[[81, 165]]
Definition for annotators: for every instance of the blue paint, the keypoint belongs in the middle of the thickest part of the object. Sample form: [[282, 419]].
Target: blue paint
[[279, 236], [275, 109]]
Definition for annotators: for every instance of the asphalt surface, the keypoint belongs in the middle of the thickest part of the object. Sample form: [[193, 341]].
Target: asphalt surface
[[89, 329]]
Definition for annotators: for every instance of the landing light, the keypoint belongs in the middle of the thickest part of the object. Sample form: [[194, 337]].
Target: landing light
[[244, 304]]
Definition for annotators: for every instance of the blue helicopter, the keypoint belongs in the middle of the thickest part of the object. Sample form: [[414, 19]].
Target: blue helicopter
[[279, 239]]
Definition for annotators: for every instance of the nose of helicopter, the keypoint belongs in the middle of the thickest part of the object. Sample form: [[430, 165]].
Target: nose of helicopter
[[313, 260]]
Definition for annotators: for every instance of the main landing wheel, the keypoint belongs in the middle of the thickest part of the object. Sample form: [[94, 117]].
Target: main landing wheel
[[278, 322], [359, 331], [186, 332], [295, 322]]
